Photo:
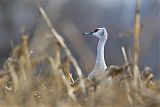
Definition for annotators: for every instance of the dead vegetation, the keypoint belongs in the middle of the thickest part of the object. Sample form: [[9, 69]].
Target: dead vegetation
[[19, 87]]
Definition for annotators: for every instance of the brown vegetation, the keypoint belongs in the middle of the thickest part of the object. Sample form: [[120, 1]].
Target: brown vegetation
[[20, 87]]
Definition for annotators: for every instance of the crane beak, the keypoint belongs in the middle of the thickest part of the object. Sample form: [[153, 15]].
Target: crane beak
[[88, 33]]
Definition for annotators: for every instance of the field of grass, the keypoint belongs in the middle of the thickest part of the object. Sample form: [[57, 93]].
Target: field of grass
[[55, 86]]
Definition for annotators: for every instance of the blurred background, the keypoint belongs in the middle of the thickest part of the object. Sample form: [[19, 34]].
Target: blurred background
[[73, 17]]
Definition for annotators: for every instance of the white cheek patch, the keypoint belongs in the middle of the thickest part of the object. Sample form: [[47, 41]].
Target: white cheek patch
[[101, 34]]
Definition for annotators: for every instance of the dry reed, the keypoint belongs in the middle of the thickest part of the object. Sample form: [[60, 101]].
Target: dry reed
[[20, 88]]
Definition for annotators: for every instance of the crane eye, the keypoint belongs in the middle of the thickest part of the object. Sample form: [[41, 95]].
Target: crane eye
[[95, 30]]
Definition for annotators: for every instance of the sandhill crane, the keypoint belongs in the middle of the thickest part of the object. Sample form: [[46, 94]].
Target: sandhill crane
[[100, 65]]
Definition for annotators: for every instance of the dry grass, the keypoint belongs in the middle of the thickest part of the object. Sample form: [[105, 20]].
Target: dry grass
[[19, 87]]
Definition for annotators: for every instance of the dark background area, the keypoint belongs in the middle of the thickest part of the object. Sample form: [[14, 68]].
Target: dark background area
[[73, 17]]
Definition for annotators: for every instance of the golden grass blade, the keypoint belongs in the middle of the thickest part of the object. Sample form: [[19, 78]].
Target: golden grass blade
[[64, 46]]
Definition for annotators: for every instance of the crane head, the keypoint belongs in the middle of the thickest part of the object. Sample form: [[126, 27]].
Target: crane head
[[101, 33]]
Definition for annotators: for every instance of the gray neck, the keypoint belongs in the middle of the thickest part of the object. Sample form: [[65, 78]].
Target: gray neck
[[100, 61]]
